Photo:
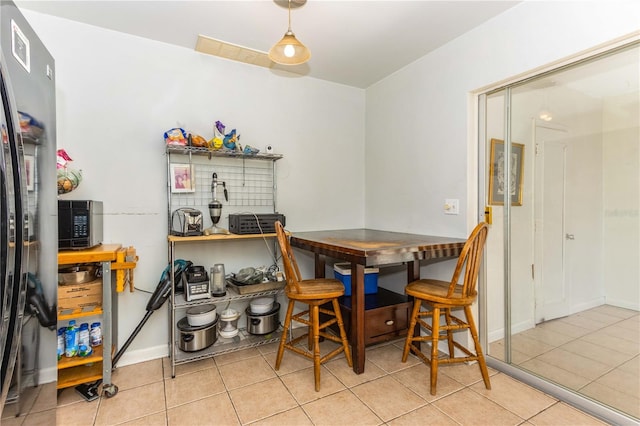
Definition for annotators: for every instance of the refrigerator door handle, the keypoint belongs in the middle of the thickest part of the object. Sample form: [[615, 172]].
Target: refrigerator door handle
[[16, 274]]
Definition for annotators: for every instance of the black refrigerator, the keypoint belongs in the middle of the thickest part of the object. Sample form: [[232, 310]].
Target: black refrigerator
[[28, 209]]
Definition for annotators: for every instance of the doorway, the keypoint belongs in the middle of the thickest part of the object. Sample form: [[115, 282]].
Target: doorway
[[562, 277]]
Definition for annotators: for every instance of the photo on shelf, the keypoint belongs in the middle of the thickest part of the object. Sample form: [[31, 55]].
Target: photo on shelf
[[182, 178]]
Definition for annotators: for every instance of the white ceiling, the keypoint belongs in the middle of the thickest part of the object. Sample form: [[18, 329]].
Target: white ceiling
[[355, 43]]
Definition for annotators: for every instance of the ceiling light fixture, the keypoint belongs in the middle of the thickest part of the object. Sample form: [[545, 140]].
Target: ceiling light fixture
[[289, 51], [545, 115]]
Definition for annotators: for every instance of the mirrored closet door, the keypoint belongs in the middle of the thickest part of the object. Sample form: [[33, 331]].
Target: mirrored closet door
[[562, 271]]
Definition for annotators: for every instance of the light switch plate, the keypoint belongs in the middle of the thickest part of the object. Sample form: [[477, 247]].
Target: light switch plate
[[451, 206]]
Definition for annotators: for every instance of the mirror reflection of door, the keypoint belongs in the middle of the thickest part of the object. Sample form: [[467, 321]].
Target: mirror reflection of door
[[567, 307], [550, 272]]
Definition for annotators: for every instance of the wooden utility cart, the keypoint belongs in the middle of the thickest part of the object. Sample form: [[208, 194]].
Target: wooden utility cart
[[77, 370]]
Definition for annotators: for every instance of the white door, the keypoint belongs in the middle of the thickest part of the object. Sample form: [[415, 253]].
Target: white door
[[550, 270]]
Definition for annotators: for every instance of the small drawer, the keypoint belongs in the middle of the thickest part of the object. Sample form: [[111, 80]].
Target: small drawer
[[386, 316], [386, 320]]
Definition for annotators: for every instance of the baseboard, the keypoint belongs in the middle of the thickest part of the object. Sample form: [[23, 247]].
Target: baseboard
[[626, 304], [142, 355], [587, 305], [515, 328], [48, 375]]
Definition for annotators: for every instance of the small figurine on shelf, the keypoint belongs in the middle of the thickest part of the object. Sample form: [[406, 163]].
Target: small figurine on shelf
[[220, 139], [230, 140]]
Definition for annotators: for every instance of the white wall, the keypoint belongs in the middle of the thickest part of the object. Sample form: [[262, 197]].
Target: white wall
[[118, 94], [420, 120], [621, 229]]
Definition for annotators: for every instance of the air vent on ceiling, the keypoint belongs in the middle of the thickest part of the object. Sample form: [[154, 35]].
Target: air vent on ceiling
[[234, 52]]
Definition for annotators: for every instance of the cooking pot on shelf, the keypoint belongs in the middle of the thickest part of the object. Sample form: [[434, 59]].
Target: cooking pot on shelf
[[201, 315], [193, 339], [263, 323], [79, 274]]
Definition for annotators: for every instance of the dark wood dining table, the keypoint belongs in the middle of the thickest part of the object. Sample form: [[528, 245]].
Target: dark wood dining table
[[365, 248]]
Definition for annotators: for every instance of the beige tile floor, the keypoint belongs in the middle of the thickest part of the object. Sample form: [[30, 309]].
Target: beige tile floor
[[595, 352], [243, 388]]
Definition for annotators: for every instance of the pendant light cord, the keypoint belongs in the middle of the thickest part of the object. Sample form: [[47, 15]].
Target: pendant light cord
[[289, 15]]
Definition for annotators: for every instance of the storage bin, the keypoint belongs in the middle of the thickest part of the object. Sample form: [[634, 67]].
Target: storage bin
[[342, 272], [78, 296]]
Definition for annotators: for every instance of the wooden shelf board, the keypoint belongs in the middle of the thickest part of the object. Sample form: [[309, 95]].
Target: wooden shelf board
[[75, 361], [81, 374], [68, 314], [101, 253]]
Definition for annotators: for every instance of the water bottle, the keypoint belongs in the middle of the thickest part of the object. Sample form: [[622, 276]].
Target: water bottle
[[61, 342], [71, 340], [83, 335], [95, 335]]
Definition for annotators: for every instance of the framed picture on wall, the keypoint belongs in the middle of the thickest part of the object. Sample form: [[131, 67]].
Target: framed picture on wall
[[182, 178], [497, 181], [30, 171]]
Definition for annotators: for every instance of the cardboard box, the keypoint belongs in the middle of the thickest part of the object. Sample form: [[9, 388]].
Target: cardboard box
[[75, 296], [342, 272]]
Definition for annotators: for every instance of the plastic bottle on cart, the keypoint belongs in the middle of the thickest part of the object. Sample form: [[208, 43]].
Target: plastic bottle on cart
[[71, 340], [84, 350], [83, 335], [61, 331], [95, 334]]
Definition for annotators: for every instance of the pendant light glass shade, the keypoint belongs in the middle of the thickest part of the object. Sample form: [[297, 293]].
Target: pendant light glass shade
[[289, 51]]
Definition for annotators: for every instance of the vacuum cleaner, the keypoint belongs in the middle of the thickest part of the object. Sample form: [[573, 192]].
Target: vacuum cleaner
[[90, 390], [37, 304]]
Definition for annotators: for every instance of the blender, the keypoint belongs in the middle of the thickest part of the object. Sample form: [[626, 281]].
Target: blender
[[215, 206], [218, 281]]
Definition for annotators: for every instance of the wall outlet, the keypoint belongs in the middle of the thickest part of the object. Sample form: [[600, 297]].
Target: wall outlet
[[451, 206]]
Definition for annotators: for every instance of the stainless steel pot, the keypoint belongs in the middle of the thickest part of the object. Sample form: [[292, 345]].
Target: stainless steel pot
[[193, 339], [263, 323], [77, 274]]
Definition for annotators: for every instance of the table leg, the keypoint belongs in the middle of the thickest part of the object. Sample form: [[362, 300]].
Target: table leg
[[413, 274], [357, 317], [319, 266], [413, 271]]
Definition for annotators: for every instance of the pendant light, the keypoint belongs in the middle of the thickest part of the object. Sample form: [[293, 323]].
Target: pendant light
[[289, 51], [545, 113]]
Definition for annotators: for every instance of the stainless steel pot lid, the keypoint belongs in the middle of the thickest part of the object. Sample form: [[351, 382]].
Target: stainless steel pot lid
[[262, 304], [183, 325], [276, 308]]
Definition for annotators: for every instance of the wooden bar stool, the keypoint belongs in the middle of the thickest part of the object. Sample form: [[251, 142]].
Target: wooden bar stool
[[315, 293], [440, 298]]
